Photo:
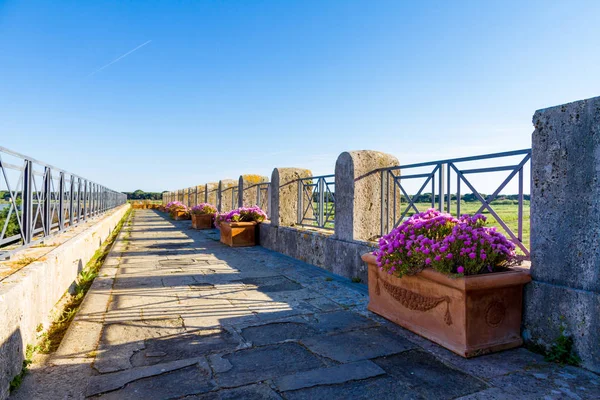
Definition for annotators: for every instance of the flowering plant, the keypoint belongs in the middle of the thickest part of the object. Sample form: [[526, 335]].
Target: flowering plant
[[242, 214], [204, 208], [447, 244], [171, 206]]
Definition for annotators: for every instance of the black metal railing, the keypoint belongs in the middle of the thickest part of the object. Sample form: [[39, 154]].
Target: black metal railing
[[38, 200], [397, 204], [316, 201]]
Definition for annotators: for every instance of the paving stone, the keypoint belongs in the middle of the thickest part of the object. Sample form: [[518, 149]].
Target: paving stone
[[271, 284], [183, 382], [550, 382], [119, 341], [410, 375], [358, 345], [250, 392], [294, 330], [428, 376], [257, 364], [328, 376], [278, 332], [110, 382], [180, 347]]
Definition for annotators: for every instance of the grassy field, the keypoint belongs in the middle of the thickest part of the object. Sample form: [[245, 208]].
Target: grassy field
[[508, 213], [505, 210]]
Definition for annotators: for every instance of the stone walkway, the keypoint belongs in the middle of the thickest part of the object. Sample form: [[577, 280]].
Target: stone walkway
[[176, 314]]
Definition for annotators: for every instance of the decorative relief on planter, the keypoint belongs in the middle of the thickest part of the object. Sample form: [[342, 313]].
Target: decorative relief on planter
[[415, 301], [494, 314]]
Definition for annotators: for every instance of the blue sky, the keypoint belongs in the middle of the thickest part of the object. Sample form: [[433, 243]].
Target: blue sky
[[231, 87]]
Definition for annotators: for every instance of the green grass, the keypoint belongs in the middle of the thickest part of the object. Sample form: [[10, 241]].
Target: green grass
[[507, 210]]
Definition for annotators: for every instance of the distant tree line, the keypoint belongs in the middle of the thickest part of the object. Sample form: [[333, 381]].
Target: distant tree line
[[141, 195]]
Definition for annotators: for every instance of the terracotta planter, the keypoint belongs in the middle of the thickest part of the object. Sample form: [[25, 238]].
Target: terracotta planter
[[470, 316], [202, 221], [238, 234], [180, 215]]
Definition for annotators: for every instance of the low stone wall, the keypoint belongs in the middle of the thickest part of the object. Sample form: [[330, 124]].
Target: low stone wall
[[28, 296], [317, 248]]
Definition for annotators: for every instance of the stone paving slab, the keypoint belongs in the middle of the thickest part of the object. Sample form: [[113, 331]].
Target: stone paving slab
[[358, 345], [329, 376], [183, 316]]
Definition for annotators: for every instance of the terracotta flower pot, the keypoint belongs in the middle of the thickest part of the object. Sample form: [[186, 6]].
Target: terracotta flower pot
[[202, 221], [178, 215], [470, 315], [238, 234]]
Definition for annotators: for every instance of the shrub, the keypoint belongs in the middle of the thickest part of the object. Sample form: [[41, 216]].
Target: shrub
[[242, 214], [449, 245], [204, 208]]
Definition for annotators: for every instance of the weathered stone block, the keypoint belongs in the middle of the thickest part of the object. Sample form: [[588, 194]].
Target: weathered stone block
[[565, 197], [565, 239], [248, 192], [548, 307], [284, 195], [358, 193], [227, 195], [211, 193]]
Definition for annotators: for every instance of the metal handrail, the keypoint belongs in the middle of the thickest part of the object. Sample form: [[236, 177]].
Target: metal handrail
[[318, 213], [390, 199], [41, 208]]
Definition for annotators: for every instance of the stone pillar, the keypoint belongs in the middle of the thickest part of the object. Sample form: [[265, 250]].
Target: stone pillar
[[565, 229], [284, 195], [226, 196], [358, 194], [200, 189], [210, 192], [248, 188]]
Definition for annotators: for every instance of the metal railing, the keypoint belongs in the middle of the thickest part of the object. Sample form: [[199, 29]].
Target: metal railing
[[394, 192], [192, 196], [260, 192], [40, 200], [316, 201]]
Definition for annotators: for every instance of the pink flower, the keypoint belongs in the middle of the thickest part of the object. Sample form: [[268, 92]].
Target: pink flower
[[460, 270]]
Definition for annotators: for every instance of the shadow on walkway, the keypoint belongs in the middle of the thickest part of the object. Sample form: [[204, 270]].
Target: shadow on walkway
[[188, 316]]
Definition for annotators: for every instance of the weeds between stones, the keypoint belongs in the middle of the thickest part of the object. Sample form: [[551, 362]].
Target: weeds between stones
[[51, 339]]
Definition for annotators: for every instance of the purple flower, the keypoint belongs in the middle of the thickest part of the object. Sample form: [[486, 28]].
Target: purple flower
[[460, 270]]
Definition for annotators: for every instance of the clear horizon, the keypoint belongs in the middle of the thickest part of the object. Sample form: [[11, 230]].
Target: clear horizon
[[161, 96]]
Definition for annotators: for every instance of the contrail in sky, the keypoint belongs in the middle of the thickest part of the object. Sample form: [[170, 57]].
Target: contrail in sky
[[119, 58]]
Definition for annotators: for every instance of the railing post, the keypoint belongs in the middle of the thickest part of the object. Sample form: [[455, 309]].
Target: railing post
[[85, 200], [449, 195], [321, 222], [78, 200], [300, 201], [27, 204], [47, 201], [71, 200], [441, 188], [61, 202]]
